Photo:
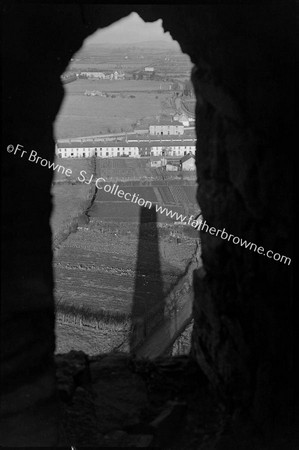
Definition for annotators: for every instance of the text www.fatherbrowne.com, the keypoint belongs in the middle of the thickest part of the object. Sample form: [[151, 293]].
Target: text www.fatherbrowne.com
[[203, 226], [184, 220], [134, 198]]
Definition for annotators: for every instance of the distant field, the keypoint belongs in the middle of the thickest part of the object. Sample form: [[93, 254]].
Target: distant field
[[71, 200], [173, 194], [130, 174], [145, 192], [81, 115], [81, 85], [85, 66], [121, 163], [122, 169]]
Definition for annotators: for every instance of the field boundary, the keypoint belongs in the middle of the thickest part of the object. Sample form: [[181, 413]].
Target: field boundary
[[85, 319], [72, 225], [182, 289]]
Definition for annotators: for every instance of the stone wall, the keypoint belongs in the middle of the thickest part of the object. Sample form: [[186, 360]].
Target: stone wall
[[242, 314], [244, 83]]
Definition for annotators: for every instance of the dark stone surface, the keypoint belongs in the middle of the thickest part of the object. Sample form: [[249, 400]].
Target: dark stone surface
[[244, 83], [119, 405], [72, 372], [128, 402]]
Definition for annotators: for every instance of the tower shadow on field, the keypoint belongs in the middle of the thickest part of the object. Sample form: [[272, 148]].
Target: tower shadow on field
[[148, 300]]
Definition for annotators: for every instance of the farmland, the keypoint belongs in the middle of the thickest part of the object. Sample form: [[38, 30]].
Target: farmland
[[81, 85], [116, 274], [82, 115], [178, 197], [68, 203], [167, 61], [118, 270], [137, 169], [121, 266], [107, 263], [70, 200], [90, 341]]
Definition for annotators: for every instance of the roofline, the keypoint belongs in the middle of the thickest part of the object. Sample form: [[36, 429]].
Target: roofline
[[126, 144]]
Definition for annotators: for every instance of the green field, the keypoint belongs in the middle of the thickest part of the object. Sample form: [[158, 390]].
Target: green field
[[85, 66], [81, 85], [81, 115]]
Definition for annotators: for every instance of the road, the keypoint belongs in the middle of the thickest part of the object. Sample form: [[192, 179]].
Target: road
[[103, 136]]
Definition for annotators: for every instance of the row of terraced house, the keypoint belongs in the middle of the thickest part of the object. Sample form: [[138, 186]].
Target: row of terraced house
[[125, 149], [176, 144]]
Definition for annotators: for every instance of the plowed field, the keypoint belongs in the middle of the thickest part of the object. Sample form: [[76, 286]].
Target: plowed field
[[110, 272]]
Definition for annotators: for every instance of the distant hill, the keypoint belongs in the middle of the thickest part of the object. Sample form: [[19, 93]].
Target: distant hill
[[162, 44], [155, 44]]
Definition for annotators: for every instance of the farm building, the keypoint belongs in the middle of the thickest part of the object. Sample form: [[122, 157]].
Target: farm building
[[116, 75], [182, 118], [188, 162], [99, 75]]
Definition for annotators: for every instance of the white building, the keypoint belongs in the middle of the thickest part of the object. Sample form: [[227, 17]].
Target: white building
[[149, 69], [104, 76], [172, 148], [98, 149], [119, 75], [166, 128], [98, 75], [182, 118], [188, 163], [131, 149]]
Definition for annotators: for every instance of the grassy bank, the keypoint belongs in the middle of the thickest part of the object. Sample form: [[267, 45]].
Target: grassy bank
[[70, 201]]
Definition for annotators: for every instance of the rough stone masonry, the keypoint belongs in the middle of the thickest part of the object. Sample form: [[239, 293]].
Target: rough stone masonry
[[244, 58]]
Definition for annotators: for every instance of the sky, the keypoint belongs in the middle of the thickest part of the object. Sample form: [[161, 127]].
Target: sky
[[129, 30]]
